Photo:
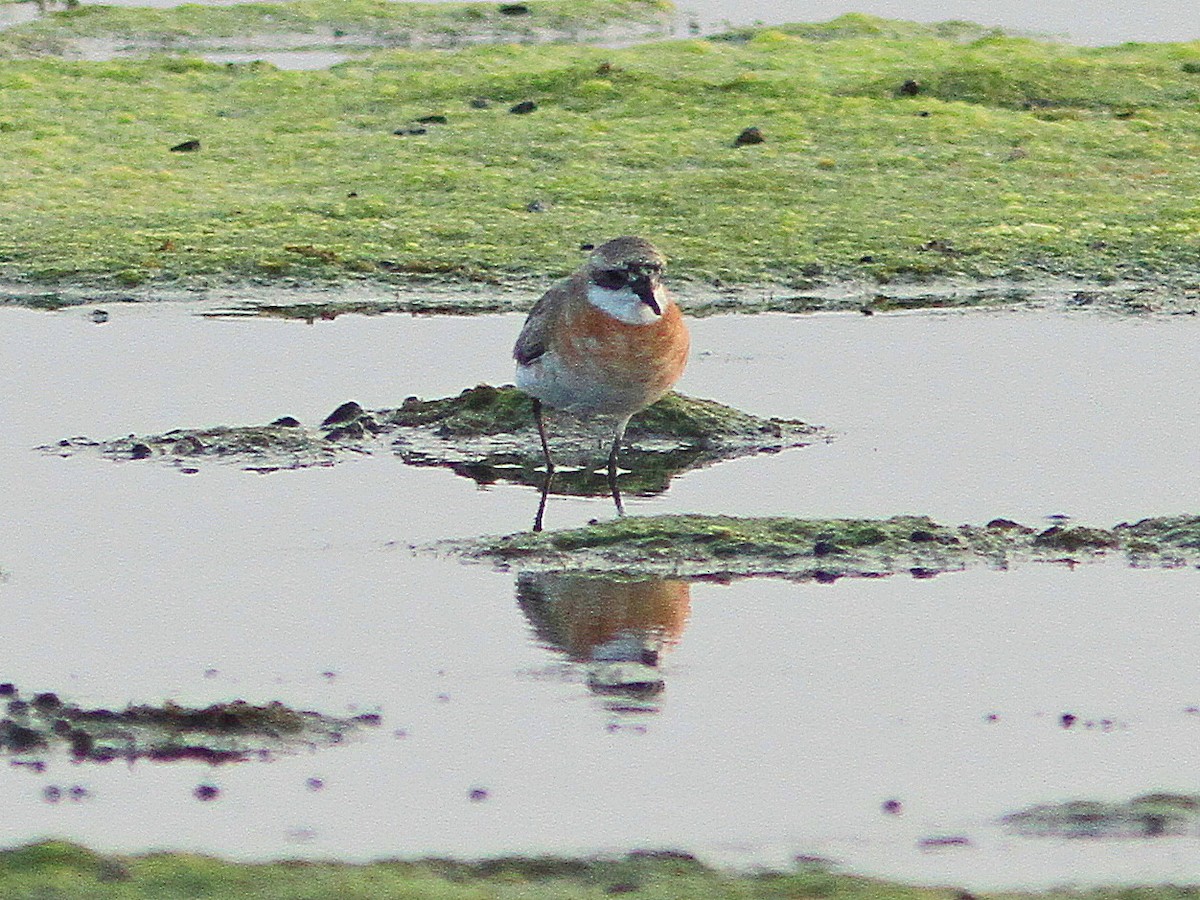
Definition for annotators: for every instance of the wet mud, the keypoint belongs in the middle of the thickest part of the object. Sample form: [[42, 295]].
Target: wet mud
[[824, 550], [485, 434], [32, 729]]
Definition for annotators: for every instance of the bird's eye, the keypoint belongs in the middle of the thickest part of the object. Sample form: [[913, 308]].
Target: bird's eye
[[612, 279]]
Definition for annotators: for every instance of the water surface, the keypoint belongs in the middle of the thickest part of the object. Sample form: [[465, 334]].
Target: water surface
[[784, 715]]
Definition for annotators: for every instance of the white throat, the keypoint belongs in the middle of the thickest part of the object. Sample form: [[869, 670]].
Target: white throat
[[623, 305]]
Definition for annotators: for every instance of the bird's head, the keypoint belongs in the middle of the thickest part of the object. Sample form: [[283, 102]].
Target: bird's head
[[629, 269]]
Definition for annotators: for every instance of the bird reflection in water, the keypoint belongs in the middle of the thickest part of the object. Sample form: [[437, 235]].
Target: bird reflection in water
[[616, 630]]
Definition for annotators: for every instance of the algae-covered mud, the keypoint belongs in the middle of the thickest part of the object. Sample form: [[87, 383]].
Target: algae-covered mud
[[891, 152], [484, 433], [100, 31], [1149, 816], [32, 729], [827, 549], [71, 871], [68, 871]]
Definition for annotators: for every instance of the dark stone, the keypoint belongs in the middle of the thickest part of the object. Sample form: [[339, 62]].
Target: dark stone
[[751, 135], [479, 103], [352, 432], [537, 206], [432, 120], [922, 572], [78, 792], [287, 422], [82, 743], [411, 129], [525, 106], [477, 795], [513, 9], [1067, 719], [140, 451], [20, 739], [892, 807], [206, 792], [314, 784], [924, 114], [587, 246], [99, 316], [186, 147], [910, 88], [824, 548], [51, 793], [1006, 525], [922, 537], [8, 689], [347, 412]]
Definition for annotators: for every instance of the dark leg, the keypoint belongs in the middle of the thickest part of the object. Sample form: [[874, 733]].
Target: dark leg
[[541, 510], [612, 466], [541, 429]]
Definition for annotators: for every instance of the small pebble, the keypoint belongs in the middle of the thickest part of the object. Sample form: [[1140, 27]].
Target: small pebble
[[751, 135], [206, 792]]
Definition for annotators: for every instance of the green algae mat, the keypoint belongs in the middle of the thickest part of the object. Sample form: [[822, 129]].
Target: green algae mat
[[484, 433], [56, 869], [890, 152], [708, 547]]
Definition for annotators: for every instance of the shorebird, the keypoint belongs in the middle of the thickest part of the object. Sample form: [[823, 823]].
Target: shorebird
[[605, 342]]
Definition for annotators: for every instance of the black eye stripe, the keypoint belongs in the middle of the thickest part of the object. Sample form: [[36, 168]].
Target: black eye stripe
[[611, 279]]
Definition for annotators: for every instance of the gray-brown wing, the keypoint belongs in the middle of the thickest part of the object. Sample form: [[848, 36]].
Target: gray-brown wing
[[535, 336]]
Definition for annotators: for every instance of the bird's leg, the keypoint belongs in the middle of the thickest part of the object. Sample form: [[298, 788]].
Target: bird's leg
[[541, 510], [541, 430], [612, 465]]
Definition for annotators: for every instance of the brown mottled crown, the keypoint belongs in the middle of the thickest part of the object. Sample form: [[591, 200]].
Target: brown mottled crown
[[625, 253]]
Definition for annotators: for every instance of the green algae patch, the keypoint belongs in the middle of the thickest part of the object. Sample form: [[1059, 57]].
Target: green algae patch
[[695, 546], [485, 433], [68, 871], [1148, 816], [31, 729], [1006, 159], [92, 30]]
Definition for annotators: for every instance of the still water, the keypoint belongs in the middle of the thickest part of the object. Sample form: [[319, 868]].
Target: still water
[[745, 722]]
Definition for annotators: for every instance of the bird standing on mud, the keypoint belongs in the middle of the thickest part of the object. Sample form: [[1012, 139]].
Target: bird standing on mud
[[607, 341]]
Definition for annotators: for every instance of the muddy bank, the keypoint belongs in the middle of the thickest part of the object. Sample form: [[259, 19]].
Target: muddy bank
[[98, 32], [717, 547], [33, 728], [415, 295], [485, 433], [1148, 816]]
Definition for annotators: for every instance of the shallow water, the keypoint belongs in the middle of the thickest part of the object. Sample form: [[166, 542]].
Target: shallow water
[[796, 710]]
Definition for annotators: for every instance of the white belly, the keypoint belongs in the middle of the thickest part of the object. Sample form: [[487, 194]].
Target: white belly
[[579, 390]]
